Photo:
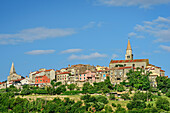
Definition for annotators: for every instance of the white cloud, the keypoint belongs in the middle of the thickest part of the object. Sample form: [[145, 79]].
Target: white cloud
[[156, 51], [38, 52], [114, 56], [30, 35], [167, 48], [132, 34], [139, 3], [91, 56], [158, 28], [71, 51], [92, 24]]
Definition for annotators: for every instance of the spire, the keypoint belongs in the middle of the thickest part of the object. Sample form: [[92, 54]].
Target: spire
[[12, 69], [129, 46]]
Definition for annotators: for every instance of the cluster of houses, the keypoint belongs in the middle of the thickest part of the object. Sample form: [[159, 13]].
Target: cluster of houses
[[81, 73]]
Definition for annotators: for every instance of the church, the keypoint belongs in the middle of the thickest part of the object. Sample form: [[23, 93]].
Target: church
[[141, 63]]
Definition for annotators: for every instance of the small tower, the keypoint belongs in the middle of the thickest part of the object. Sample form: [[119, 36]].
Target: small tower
[[129, 55], [12, 71]]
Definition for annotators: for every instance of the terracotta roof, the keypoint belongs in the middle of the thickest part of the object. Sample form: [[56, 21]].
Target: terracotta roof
[[39, 76], [124, 67], [48, 70], [100, 71], [63, 73], [126, 61], [162, 71], [37, 72]]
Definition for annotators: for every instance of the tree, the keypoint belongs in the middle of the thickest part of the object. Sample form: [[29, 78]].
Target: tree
[[112, 97], [125, 96], [58, 83], [113, 104], [26, 86], [163, 103], [108, 109], [25, 92], [71, 86], [139, 79], [138, 104]]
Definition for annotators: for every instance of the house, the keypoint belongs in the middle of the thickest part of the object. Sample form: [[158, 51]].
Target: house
[[50, 73], [3, 85], [63, 77], [42, 80], [25, 81]]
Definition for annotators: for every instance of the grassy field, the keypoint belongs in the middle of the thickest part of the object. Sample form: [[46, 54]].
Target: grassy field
[[77, 98]]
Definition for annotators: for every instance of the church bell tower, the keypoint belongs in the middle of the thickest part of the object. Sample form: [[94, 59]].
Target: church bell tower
[[129, 55]]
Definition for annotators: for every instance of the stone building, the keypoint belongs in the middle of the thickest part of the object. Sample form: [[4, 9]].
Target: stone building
[[13, 75], [131, 63]]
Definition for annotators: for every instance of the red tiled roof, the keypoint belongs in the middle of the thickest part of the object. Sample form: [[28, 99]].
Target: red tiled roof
[[63, 73], [162, 71], [48, 70], [124, 67], [100, 71], [37, 72], [125, 61], [39, 76]]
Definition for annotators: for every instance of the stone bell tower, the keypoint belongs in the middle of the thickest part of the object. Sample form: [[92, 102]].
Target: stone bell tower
[[129, 55]]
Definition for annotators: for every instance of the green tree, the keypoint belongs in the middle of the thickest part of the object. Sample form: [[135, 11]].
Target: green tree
[[138, 104], [125, 96], [71, 86], [163, 83], [163, 103], [112, 97], [139, 79], [108, 109]]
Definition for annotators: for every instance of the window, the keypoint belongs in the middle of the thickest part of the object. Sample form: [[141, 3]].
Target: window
[[124, 65], [40, 80], [80, 78], [118, 79], [80, 74], [128, 56], [37, 80], [133, 65], [84, 77], [84, 74]]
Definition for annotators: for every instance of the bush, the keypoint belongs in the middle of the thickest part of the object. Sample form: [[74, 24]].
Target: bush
[[108, 109], [113, 104], [125, 96], [112, 97], [41, 91], [102, 99], [25, 92], [163, 103], [71, 92], [136, 104]]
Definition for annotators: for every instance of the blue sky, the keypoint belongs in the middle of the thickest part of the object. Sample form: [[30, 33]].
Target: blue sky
[[51, 34]]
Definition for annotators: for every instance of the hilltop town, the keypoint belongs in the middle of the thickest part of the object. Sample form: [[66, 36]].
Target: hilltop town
[[130, 85], [81, 73]]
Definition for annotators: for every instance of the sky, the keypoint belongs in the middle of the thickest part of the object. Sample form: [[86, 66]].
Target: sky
[[52, 34]]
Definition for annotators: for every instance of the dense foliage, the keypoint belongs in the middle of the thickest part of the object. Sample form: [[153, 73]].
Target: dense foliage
[[163, 84], [138, 79]]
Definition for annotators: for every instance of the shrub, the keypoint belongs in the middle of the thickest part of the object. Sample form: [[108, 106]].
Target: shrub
[[112, 97], [102, 99], [125, 96], [113, 104], [163, 103]]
